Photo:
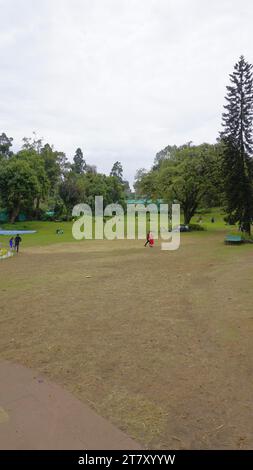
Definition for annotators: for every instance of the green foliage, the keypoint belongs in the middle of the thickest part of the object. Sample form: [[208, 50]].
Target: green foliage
[[71, 190], [196, 228], [19, 185], [36, 162], [76, 189], [5, 145], [55, 165], [189, 175], [238, 146], [138, 180], [39, 178], [117, 171], [79, 164]]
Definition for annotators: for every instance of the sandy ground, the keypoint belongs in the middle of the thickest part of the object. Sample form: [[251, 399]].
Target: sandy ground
[[158, 342]]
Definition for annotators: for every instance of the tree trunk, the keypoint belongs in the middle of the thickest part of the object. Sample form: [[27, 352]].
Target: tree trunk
[[15, 213], [245, 227], [37, 208], [187, 218]]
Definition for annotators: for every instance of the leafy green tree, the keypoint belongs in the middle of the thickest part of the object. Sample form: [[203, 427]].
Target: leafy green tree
[[19, 186], [127, 189], [115, 191], [33, 143], [55, 167], [238, 145], [166, 154], [140, 173], [187, 174], [71, 191], [76, 189], [36, 162], [187, 187], [5, 145], [181, 180], [213, 185], [149, 186], [117, 171]]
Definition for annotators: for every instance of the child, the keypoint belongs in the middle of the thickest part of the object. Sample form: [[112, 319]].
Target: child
[[11, 243]]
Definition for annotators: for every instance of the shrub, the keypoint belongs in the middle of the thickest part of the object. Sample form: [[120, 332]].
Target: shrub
[[196, 228]]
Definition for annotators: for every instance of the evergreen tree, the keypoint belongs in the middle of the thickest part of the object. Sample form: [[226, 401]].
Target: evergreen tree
[[117, 171], [79, 164], [238, 145]]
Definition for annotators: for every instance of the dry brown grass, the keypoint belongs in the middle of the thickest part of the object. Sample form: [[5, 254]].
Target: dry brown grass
[[158, 342]]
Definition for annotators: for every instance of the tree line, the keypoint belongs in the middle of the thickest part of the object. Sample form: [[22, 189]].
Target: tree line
[[38, 177]]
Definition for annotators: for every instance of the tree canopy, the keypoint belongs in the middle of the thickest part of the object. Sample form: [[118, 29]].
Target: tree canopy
[[189, 175], [39, 178]]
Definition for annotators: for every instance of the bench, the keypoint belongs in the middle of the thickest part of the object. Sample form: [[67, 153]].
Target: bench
[[233, 239]]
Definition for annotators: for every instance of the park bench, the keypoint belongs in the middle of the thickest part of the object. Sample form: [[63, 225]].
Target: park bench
[[233, 239]]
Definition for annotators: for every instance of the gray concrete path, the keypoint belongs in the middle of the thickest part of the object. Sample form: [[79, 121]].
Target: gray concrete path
[[37, 414]]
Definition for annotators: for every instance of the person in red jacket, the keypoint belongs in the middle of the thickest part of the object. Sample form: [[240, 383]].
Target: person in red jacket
[[150, 240]]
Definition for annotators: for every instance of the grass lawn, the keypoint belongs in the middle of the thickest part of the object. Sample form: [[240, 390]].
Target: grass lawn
[[160, 343], [46, 231]]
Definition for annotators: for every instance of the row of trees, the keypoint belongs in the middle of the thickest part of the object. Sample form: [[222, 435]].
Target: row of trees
[[212, 175], [39, 178]]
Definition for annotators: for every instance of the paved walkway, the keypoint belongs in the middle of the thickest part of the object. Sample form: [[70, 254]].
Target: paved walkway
[[37, 414]]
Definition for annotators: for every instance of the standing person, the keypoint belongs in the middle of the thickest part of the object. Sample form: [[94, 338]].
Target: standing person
[[147, 239], [18, 239], [11, 243]]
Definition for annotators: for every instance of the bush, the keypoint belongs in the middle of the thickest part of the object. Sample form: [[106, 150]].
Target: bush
[[196, 228]]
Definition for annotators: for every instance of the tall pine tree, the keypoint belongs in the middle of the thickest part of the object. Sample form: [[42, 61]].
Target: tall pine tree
[[238, 145], [79, 165]]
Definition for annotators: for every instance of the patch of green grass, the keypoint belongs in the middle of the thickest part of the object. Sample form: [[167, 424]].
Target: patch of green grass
[[218, 225], [46, 231]]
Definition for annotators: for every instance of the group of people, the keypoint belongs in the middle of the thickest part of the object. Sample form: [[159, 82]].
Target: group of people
[[15, 242]]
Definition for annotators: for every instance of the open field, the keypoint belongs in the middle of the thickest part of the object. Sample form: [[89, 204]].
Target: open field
[[158, 342]]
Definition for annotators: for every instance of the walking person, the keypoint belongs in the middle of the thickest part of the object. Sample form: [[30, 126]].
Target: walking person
[[150, 240], [11, 243], [18, 239], [147, 239]]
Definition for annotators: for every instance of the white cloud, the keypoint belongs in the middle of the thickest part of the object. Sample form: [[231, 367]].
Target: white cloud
[[120, 78]]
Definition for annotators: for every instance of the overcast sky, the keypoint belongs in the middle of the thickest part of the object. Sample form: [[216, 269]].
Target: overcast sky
[[121, 79]]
